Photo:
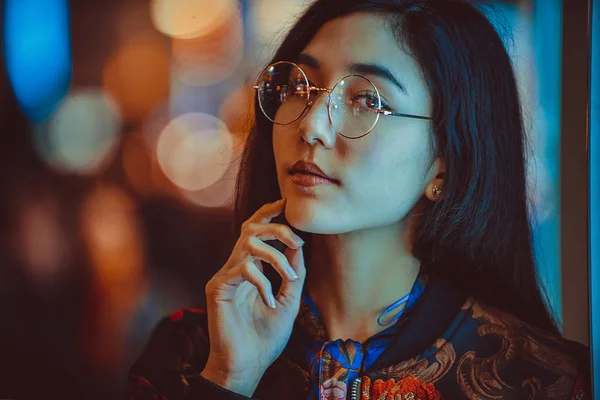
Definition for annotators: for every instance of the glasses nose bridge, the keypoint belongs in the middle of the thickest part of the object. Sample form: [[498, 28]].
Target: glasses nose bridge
[[329, 91], [319, 89], [312, 102]]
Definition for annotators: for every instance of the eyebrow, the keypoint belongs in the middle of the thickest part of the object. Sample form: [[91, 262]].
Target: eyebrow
[[360, 69]]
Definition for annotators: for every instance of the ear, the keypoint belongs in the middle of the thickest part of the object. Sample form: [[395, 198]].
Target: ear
[[438, 173]]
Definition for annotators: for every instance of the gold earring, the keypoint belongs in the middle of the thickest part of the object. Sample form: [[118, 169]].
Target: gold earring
[[437, 191]]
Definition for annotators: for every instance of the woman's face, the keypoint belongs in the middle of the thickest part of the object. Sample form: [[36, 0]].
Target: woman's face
[[381, 175]]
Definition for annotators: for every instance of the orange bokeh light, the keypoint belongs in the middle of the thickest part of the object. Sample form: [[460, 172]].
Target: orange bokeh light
[[237, 112], [113, 235], [189, 19], [115, 244], [41, 242], [212, 57], [138, 163], [138, 76], [194, 150]]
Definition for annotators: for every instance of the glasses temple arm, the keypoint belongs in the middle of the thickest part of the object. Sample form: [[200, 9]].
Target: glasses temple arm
[[395, 114]]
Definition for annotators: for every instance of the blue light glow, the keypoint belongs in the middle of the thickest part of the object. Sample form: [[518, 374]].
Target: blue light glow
[[37, 53]]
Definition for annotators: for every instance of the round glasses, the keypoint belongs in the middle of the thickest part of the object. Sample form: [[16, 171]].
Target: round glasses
[[354, 106]]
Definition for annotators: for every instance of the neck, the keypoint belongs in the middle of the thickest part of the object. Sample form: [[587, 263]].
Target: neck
[[353, 277]]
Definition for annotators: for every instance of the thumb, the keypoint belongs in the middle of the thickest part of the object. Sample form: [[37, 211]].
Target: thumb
[[292, 291]]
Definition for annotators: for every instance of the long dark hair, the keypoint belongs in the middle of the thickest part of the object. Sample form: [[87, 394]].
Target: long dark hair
[[480, 232]]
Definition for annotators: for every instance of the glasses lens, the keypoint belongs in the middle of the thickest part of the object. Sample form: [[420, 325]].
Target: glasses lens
[[283, 92], [353, 103]]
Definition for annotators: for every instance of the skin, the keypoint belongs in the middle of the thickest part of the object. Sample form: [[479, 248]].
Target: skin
[[362, 226]]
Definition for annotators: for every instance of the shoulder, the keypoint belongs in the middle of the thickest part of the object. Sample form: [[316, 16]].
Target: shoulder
[[177, 348], [521, 355]]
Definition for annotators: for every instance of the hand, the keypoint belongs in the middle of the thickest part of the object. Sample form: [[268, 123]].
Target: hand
[[248, 326]]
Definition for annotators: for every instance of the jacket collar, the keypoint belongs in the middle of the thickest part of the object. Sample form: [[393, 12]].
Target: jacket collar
[[425, 322], [419, 327]]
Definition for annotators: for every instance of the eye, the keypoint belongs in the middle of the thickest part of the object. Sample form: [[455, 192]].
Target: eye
[[368, 100]]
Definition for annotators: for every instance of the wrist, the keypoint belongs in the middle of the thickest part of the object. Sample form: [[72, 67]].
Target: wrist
[[244, 384]]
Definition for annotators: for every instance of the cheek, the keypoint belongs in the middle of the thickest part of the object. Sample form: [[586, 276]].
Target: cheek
[[280, 145], [390, 167], [283, 149], [380, 156]]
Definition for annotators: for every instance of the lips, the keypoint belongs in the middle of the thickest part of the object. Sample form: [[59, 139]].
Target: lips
[[310, 168]]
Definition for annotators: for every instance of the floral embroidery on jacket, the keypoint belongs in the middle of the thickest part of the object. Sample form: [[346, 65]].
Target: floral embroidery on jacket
[[428, 370], [408, 388], [482, 376]]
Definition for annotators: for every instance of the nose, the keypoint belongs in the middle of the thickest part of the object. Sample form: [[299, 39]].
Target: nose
[[316, 125]]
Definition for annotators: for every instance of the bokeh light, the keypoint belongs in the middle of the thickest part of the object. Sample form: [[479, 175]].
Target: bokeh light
[[137, 162], [271, 19], [37, 52], [112, 233], [188, 98], [42, 243], [212, 57], [195, 150], [218, 195], [137, 75], [155, 123], [237, 112], [115, 244], [189, 19], [82, 135]]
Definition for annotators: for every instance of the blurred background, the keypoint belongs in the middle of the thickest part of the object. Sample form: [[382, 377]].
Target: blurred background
[[122, 126]]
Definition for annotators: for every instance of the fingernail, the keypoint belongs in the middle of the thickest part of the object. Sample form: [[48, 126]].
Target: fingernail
[[293, 274], [272, 301]]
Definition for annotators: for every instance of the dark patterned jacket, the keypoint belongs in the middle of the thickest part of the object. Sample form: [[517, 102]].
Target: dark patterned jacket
[[456, 346]]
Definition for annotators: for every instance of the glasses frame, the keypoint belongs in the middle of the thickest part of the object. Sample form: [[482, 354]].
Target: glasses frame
[[312, 89]]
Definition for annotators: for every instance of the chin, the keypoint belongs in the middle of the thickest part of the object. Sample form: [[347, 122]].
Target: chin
[[302, 218], [308, 219]]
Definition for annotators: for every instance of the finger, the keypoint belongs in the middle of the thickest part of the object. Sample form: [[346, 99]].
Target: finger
[[264, 252], [249, 272], [267, 212], [273, 231], [291, 291], [259, 265]]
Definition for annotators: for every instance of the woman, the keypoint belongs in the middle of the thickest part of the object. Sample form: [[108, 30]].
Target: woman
[[387, 152]]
